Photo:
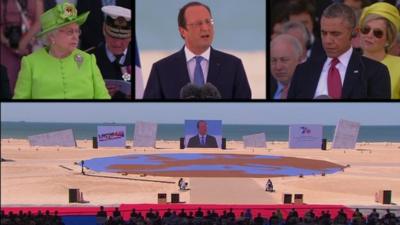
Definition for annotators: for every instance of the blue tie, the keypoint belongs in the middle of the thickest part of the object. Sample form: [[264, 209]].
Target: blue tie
[[198, 72], [202, 140]]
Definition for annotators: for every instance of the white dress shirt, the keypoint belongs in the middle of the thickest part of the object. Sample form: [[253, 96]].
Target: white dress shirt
[[279, 90], [191, 63], [322, 88]]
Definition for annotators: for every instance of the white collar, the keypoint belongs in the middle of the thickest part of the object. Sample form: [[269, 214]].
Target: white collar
[[189, 55], [111, 56], [343, 58]]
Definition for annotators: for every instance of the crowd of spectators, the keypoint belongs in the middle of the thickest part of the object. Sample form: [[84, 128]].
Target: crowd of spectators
[[29, 218], [211, 217], [246, 217]]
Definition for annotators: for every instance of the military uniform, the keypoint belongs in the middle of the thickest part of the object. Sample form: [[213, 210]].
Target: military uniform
[[117, 25], [109, 69]]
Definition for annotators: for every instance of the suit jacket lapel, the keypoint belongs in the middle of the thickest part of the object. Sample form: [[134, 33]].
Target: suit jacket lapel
[[214, 67], [182, 73], [315, 74], [352, 77]]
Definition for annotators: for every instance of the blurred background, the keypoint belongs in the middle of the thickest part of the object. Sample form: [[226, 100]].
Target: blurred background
[[240, 29]]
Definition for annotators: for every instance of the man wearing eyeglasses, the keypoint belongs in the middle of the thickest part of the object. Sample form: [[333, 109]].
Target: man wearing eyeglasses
[[342, 73], [197, 62]]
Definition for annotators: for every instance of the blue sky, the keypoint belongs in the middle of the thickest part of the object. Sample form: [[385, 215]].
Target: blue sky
[[229, 113]]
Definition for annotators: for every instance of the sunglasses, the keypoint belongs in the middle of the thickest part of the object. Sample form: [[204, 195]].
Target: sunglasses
[[378, 33]]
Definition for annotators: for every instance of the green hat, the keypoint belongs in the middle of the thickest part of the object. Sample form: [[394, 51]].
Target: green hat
[[62, 14]]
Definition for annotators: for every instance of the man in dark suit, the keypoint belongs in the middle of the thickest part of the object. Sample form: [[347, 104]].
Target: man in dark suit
[[114, 55], [197, 62], [202, 139], [286, 54], [341, 73]]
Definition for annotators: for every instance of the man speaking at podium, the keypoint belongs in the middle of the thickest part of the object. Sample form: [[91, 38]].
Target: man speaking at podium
[[202, 139], [197, 62]]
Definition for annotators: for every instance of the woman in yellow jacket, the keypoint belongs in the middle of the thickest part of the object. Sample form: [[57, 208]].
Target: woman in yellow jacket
[[60, 70], [379, 25]]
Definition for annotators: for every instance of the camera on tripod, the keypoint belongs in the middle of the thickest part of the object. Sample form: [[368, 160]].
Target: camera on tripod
[[13, 34]]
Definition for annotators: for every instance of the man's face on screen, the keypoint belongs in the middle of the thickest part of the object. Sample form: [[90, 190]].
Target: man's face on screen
[[203, 128], [199, 31]]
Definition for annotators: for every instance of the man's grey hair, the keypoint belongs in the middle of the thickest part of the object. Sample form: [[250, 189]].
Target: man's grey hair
[[297, 25], [289, 39], [340, 10]]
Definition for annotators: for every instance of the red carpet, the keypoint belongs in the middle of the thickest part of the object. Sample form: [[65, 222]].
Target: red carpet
[[265, 210]]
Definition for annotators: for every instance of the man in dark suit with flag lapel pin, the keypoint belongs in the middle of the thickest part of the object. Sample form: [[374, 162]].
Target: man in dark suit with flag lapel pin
[[342, 73]]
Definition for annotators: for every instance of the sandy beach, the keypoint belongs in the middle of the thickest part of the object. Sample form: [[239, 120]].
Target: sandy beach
[[43, 175], [253, 62]]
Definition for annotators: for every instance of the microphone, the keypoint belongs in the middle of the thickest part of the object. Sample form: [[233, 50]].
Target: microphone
[[209, 91], [190, 91]]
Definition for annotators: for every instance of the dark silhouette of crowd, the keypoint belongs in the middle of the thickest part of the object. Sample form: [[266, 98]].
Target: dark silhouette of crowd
[[210, 217], [246, 217], [28, 218]]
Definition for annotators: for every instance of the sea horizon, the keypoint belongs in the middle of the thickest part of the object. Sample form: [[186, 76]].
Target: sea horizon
[[173, 131]]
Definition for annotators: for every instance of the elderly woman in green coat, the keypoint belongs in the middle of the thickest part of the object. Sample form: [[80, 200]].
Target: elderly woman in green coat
[[60, 70]]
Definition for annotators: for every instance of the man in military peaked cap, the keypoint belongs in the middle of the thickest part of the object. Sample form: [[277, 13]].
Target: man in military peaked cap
[[114, 55]]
